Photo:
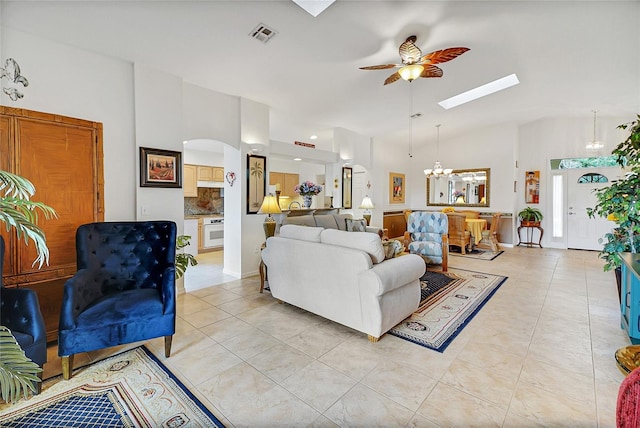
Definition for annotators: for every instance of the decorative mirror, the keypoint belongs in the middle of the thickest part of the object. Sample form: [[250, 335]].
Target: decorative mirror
[[463, 187], [347, 188]]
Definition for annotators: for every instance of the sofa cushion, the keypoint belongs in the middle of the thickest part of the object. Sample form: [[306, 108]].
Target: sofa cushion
[[341, 220], [326, 221], [370, 243], [353, 225], [302, 220], [303, 233]]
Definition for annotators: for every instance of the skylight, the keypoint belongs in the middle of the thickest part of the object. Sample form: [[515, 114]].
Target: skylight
[[480, 91]]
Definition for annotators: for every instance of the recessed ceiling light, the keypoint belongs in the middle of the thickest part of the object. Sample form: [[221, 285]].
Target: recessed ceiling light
[[297, 159], [314, 137], [480, 91]]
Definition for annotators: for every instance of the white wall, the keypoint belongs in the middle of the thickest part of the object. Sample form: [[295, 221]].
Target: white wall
[[159, 125], [201, 157], [210, 114], [76, 83]]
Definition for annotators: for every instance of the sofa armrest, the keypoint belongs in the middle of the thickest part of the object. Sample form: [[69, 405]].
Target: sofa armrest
[[393, 273]]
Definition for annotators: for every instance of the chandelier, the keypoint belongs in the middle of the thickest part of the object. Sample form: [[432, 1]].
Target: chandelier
[[437, 169], [594, 144]]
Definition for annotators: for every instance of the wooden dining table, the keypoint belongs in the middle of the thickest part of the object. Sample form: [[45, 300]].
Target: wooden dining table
[[475, 226]]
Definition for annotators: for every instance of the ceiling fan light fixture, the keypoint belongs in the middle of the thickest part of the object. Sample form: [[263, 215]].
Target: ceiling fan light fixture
[[411, 72]]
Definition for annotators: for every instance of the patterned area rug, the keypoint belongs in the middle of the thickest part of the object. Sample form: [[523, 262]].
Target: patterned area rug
[[477, 253], [131, 389], [444, 313]]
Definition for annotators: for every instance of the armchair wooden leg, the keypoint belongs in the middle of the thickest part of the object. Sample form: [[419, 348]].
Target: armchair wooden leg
[[67, 367], [373, 339], [167, 346]]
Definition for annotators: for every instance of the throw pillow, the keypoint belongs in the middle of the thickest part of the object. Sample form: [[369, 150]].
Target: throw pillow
[[448, 210], [356, 225], [392, 248]]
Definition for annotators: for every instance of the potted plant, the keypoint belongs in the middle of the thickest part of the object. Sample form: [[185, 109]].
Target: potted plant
[[620, 202], [18, 374], [183, 260], [530, 216]]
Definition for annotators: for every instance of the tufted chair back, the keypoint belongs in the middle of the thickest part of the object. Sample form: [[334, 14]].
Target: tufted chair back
[[427, 236], [123, 291]]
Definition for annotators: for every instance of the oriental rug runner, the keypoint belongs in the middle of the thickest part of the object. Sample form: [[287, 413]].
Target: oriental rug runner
[[131, 389], [447, 306]]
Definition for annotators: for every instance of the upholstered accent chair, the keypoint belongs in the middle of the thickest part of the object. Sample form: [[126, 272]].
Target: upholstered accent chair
[[124, 290], [458, 233], [490, 237], [426, 236], [20, 313]]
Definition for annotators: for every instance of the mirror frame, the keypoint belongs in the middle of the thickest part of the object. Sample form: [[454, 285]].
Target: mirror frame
[[347, 187], [458, 171]]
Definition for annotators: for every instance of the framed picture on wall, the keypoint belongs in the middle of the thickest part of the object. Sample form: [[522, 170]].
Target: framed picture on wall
[[160, 168], [396, 188], [256, 182], [347, 186], [532, 187]]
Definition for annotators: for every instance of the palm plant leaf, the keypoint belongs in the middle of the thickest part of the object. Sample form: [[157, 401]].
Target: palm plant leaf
[[18, 211], [18, 374]]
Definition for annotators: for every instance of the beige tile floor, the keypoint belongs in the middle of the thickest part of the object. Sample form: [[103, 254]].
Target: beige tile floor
[[538, 354]]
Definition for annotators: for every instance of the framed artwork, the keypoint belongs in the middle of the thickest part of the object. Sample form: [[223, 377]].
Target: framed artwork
[[160, 168], [532, 187], [256, 182], [347, 186], [396, 188]]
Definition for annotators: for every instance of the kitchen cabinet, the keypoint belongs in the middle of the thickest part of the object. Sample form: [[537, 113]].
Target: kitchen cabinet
[[62, 157], [200, 235], [218, 174], [287, 182], [189, 181], [191, 229], [205, 173]]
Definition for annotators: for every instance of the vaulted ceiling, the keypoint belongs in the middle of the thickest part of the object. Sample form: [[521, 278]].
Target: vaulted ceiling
[[571, 57]]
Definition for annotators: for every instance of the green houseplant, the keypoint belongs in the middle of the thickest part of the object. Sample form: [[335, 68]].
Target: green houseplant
[[183, 260], [18, 374], [530, 216], [620, 201]]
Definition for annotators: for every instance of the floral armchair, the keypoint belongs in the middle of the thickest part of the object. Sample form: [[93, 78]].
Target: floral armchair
[[427, 237]]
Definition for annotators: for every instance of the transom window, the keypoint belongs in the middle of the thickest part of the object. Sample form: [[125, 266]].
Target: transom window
[[593, 177]]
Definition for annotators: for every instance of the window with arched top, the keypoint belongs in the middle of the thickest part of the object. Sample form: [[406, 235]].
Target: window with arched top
[[593, 177]]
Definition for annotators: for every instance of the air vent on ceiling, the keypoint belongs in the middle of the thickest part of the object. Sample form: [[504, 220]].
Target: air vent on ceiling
[[263, 33]]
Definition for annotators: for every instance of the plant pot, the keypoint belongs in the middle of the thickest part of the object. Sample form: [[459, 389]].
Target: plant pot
[[529, 223]]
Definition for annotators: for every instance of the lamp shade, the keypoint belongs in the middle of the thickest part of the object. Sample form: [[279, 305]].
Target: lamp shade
[[270, 205], [411, 72], [367, 204]]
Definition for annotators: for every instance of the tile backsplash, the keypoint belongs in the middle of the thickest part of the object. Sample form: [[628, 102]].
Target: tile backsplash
[[208, 201]]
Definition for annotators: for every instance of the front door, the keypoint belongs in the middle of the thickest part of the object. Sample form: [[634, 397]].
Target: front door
[[583, 232]]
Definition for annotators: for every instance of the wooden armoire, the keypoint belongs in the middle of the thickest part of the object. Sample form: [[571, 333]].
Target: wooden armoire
[[62, 157]]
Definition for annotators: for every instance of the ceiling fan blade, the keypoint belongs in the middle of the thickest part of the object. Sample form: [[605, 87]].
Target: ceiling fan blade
[[409, 52], [380, 67], [431, 71], [442, 55], [394, 77]]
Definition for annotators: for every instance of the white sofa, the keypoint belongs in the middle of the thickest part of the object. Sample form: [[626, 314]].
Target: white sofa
[[342, 276]]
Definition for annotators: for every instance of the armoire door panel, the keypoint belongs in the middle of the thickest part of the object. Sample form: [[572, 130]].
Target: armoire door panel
[[6, 162], [59, 162]]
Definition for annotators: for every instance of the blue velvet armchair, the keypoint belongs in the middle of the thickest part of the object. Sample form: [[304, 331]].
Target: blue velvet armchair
[[124, 290], [427, 236], [20, 313]]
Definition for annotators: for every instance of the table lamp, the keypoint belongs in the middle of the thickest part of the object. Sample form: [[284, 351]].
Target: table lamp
[[367, 206], [269, 206]]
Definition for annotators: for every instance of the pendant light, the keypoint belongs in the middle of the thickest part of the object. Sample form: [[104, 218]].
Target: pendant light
[[437, 169], [594, 144]]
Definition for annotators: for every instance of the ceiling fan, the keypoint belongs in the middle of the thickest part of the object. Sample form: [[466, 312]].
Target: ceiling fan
[[415, 65]]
